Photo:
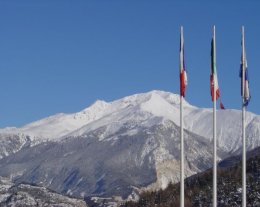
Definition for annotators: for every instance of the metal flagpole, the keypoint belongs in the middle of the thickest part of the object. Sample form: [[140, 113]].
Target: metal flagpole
[[181, 130], [243, 124], [182, 155], [214, 130]]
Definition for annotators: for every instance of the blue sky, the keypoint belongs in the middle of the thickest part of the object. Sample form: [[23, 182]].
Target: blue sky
[[62, 55]]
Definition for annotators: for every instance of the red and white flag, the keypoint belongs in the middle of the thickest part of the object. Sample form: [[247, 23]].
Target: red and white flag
[[183, 75]]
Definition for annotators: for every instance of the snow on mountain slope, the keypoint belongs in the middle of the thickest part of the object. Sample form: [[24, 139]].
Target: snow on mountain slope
[[155, 102], [229, 127], [136, 108], [13, 139], [144, 106], [12, 143], [253, 131], [61, 124], [140, 107]]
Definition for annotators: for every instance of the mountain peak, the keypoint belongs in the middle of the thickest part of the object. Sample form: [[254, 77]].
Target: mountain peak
[[168, 96], [139, 98], [162, 104], [97, 105]]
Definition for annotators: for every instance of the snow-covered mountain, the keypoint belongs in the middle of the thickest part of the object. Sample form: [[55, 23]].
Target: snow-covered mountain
[[52, 128], [112, 148], [155, 103], [56, 126]]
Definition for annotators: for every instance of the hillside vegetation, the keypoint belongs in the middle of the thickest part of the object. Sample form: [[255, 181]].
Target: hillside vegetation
[[198, 188]]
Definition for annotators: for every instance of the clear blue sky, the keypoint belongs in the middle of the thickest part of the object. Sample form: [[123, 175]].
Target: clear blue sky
[[62, 55]]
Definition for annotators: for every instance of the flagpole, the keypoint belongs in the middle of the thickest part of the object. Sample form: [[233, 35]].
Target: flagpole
[[182, 154], [214, 133], [243, 124], [181, 133]]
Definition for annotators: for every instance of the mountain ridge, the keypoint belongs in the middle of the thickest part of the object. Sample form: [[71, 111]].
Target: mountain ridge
[[158, 103]]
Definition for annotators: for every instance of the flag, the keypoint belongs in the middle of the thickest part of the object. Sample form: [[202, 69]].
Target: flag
[[244, 92], [213, 72], [183, 74], [222, 105]]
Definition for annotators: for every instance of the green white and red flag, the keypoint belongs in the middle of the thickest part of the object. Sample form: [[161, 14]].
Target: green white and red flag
[[213, 72]]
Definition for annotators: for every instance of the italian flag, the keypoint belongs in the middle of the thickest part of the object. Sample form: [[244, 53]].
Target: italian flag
[[213, 72]]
